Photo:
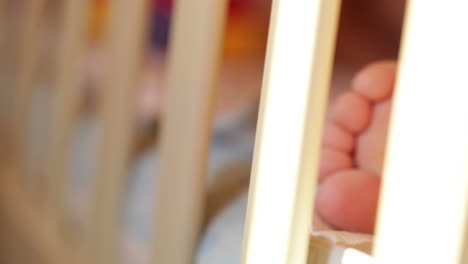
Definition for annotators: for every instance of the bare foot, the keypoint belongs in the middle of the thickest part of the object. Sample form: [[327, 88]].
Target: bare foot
[[353, 150]]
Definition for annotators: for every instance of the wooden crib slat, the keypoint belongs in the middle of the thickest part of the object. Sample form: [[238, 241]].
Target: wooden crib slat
[[2, 19], [28, 55], [464, 254], [4, 92], [194, 56], [67, 100], [296, 81], [32, 224], [116, 122], [424, 203]]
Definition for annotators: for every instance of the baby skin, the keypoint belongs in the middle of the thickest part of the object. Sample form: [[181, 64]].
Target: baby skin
[[353, 150]]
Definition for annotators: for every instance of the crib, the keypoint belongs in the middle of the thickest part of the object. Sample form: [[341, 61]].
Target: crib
[[430, 104]]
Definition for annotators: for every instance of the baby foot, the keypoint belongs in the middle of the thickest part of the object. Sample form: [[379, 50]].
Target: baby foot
[[353, 150]]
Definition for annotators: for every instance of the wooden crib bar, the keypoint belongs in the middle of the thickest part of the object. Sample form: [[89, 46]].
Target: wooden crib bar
[[2, 27], [28, 56], [68, 96], [6, 89], [423, 210], [31, 221], [33, 224], [296, 81], [194, 56], [124, 46]]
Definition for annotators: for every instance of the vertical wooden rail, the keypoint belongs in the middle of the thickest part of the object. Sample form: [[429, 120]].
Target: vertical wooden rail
[[27, 63], [2, 20], [194, 55], [294, 96], [27, 220], [67, 100], [125, 47], [423, 209], [4, 92], [9, 39], [464, 254]]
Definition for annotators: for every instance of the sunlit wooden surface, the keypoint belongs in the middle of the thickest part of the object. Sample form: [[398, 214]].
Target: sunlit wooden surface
[[294, 97], [423, 212]]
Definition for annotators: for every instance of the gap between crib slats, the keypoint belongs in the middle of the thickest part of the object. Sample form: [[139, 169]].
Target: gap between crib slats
[[66, 104], [423, 208], [116, 121], [294, 96], [193, 65], [28, 55]]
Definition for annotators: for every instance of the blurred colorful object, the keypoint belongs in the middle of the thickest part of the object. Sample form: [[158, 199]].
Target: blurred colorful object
[[246, 30], [98, 18]]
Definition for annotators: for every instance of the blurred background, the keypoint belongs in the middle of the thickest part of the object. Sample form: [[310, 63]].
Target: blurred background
[[369, 31]]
